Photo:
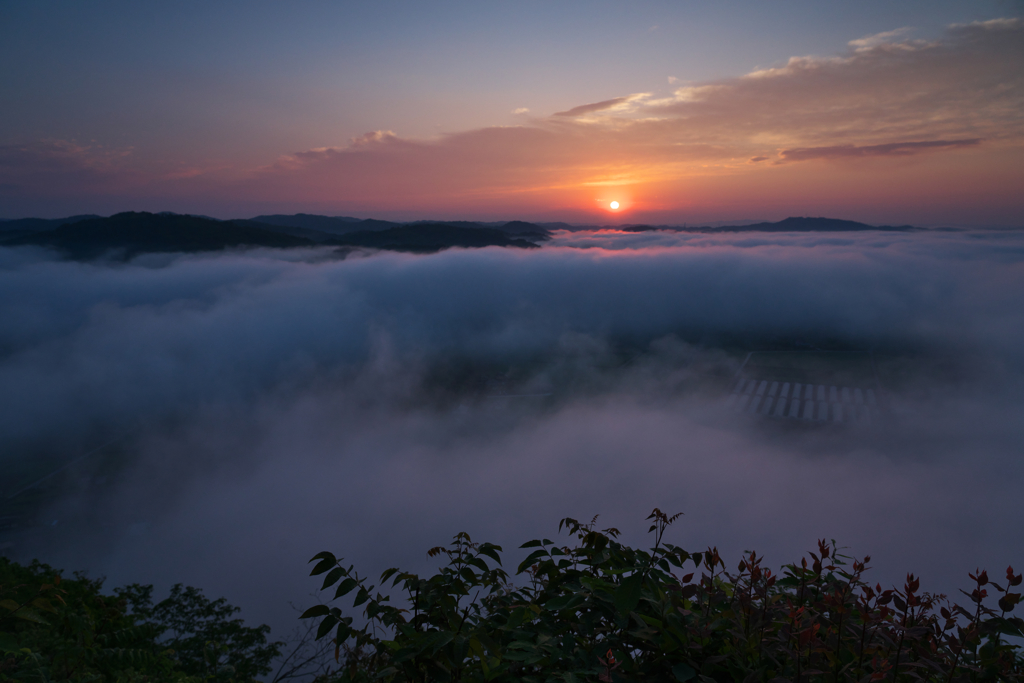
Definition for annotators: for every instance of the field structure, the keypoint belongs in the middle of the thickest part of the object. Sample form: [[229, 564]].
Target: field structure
[[809, 387]]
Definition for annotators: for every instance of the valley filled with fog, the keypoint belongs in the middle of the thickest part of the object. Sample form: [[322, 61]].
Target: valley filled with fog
[[217, 419]]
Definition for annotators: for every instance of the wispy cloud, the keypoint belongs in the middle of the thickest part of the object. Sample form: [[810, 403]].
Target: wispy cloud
[[868, 42], [888, 149], [615, 104]]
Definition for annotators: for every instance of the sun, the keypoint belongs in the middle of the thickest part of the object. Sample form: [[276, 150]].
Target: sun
[[614, 205]]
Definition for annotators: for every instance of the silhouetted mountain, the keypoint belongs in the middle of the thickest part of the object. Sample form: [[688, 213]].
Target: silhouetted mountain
[[558, 225], [317, 236], [334, 225], [430, 237], [524, 229], [127, 234], [27, 225], [133, 233], [801, 224], [792, 224], [194, 215]]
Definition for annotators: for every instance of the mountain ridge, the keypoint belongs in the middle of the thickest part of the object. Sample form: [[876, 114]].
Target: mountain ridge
[[127, 234]]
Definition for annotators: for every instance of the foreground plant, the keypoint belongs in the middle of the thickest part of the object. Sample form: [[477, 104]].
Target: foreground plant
[[598, 610], [54, 628]]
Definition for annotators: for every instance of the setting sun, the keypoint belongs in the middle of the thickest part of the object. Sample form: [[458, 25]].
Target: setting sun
[[614, 205]]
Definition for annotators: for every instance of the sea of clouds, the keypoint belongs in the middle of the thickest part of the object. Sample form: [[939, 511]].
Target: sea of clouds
[[270, 405]]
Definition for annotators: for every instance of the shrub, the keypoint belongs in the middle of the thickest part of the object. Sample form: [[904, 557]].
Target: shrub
[[598, 610], [55, 629]]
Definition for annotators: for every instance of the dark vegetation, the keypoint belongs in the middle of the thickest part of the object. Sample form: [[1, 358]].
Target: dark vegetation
[[598, 610], [65, 629], [431, 237], [328, 225], [128, 234], [592, 610]]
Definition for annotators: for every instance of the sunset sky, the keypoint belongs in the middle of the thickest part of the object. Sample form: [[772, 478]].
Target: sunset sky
[[909, 112]]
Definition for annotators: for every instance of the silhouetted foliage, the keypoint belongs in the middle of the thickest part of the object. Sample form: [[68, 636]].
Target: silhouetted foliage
[[54, 629], [128, 234], [201, 635], [598, 610]]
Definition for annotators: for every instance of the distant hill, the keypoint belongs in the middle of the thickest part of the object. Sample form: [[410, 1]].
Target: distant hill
[[128, 234], [20, 227], [431, 237], [524, 229], [320, 228], [334, 225], [792, 224], [530, 231], [317, 236], [801, 224]]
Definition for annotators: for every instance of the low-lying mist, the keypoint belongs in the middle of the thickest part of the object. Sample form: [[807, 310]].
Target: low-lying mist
[[266, 405]]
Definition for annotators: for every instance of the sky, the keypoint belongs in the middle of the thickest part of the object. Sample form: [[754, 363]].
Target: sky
[[882, 112]]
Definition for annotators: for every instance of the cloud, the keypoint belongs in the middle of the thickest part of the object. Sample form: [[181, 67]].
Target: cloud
[[616, 104], [889, 149], [884, 38], [371, 138], [521, 110], [278, 404]]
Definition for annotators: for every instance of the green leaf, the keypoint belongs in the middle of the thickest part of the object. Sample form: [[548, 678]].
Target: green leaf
[[683, 672], [29, 615], [332, 577], [569, 600], [529, 561], [44, 604], [492, 551], [8, 642], [316, 611], [322, 566], [325, 626], [627, 595], [325, 556], [345, 587]]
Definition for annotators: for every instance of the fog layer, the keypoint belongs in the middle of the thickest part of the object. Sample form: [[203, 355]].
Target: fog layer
[[270, 405]]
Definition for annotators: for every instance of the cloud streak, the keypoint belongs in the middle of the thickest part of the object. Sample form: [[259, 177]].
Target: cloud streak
[[889, 149]]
